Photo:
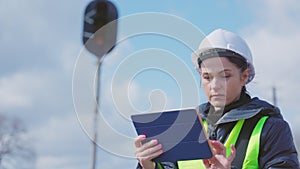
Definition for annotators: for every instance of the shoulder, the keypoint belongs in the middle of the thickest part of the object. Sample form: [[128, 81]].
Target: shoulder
[[261, 107], [277, 148], [276, 133], [275, 127]]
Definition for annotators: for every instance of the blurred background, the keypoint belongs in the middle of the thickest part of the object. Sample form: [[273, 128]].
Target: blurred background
[[41, 48]]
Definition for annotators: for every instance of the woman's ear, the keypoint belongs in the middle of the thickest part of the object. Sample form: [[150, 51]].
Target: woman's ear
[[245, 76]]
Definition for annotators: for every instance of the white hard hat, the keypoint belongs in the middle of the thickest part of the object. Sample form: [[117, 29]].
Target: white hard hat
[[225, 43]]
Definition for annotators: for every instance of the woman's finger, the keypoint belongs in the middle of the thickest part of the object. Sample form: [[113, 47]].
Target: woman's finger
[[149, 153], [154, 154], [218, 147], [149, 147], [138, 139], [206, 163], [232, 154]]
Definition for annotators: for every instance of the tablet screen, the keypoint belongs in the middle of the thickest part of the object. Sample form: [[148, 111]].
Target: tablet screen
[[180, 132]]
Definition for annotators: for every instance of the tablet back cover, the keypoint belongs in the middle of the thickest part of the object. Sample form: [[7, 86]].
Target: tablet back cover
[[179, 131]]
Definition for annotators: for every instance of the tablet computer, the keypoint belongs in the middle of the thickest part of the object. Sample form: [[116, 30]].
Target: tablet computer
[[180, 132]]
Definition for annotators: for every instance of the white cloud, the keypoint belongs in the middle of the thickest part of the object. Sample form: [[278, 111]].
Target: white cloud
[[276, 16], [61, 143], [19, 90], [274, 38], [11, 95]]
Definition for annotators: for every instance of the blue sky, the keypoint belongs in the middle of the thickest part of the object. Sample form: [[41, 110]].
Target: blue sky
[[41, 50]]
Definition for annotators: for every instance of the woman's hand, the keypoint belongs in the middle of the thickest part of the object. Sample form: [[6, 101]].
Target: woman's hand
[[219, 160], [147, 151]]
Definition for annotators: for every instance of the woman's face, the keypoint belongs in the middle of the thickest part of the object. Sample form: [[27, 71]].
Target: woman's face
[[222, 81]]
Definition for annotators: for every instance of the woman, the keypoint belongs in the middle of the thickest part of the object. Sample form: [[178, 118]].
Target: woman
[[245, 132]]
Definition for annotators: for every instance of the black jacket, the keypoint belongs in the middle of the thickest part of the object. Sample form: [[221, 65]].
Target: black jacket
[[277, 149]]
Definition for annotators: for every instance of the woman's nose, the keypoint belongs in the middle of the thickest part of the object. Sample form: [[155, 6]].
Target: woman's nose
[[216, 83]]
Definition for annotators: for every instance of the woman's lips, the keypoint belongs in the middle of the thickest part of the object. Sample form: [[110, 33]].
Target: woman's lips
[[217, 96]]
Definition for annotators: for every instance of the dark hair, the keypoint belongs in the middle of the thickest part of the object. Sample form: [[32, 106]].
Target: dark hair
[[240, 63]]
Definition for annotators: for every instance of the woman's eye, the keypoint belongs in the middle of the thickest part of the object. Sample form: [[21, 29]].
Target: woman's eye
[[226, 76], [206, 77]]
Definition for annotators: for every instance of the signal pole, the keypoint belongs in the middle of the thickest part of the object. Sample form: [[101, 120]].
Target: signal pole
[[99, 38], [274, 96], [95, 139]]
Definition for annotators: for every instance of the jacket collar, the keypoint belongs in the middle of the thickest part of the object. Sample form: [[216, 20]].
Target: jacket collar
[[246, 111]]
